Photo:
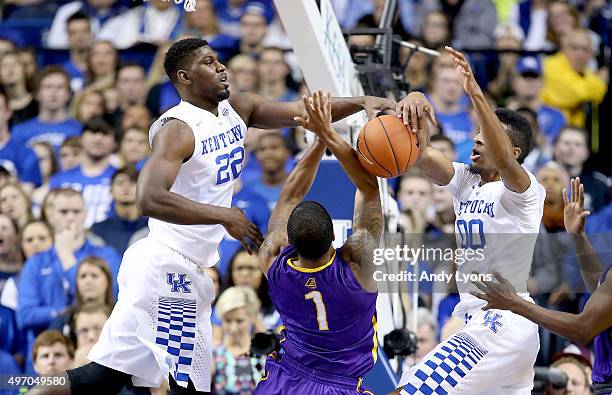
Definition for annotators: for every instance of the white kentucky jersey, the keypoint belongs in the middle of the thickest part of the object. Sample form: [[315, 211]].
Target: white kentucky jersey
[[207, 177], [496, 230]]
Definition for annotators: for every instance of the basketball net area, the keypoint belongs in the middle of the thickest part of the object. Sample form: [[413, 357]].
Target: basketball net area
[[326, 63]]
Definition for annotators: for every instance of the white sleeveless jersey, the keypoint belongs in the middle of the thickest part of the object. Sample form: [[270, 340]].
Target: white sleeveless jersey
[[499, 226], [207, 177]]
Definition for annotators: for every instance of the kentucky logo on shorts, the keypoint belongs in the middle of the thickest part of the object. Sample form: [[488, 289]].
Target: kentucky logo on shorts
[[491, 321], [180, 285], [176, 326]]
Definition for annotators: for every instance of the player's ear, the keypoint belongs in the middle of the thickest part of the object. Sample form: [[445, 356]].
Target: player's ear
[[516, 151], [183, 76]]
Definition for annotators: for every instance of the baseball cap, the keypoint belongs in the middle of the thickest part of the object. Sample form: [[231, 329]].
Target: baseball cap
[[581, 354], [529, 65]]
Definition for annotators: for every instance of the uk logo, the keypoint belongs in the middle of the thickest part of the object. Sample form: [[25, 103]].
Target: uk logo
[[180, 285], [491, 321]]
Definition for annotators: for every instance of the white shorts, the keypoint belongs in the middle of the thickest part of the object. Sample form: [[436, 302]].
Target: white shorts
[[493, 354], [161, 322]]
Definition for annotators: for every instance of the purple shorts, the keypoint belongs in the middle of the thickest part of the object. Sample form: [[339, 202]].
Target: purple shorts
[[292, 378]]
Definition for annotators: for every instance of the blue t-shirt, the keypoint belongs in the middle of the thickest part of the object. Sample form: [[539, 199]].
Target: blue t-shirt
[[268, 193], [95, 190], [33, 130], [457, 126], [24, 160], [77, 77], [550, 122]]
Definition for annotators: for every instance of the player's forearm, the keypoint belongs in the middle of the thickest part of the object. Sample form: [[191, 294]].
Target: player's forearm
[[494, 135], [347, 156], [590, 264], [343, 107], [171, 207], [563, 324], [301, 178], [435, 166]]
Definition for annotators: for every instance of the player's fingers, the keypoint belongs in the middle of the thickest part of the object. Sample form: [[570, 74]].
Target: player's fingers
[[246, 245], [574, 190], [479, 295], [432, 115], [565, 199], [581, 195], [328, 105], [399, 110], [585, 214], [413, 118], [301, 121], [481, 286], [406, 115], [488, 306]]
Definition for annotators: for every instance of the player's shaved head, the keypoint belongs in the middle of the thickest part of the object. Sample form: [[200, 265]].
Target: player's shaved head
[[310, 230], [180, 54]]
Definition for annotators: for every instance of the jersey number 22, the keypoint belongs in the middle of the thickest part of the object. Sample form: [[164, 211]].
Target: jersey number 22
[[230, 165]]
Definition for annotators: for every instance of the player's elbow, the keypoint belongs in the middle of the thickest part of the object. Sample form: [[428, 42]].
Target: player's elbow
[[583, 331]]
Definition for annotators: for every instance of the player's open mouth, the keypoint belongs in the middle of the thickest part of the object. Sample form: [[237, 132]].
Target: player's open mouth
[[223, 80], [475, 155]]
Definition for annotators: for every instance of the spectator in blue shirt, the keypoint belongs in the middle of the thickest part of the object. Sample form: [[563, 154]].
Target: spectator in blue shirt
[[271, 153], [80, 39], [125, 219], [273, 72], [93, 176], [451, 110], [527, 83], [23, 159], [253, 29], [229, 13], [48, 279], [134, 148], [53, 124]]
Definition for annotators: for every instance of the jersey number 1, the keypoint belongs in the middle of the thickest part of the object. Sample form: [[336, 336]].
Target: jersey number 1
[[316, 297]]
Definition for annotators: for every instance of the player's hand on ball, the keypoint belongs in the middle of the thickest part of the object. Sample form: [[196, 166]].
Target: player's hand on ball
[[574, 214], [413, 107], [318, 110], [498, 295], [464, 72], [240, 228]]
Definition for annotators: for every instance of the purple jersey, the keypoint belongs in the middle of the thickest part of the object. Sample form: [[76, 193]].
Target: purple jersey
[[602, 369], [329, 321]]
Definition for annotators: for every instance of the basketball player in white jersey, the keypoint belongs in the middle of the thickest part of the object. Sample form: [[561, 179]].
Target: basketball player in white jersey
[[499, 206], [160, 327]]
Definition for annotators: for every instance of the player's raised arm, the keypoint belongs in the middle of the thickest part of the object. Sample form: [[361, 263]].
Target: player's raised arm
[[172, 146], [414, 110], [368, 218], [574, 218], [502, 152], [264, 114], [296, 187]]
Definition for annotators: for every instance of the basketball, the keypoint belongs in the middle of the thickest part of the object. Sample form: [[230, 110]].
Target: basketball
[[386, 148]]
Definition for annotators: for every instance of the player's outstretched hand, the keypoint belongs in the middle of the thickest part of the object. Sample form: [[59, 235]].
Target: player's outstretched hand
[[464, 72], [498, 295], [240, 228], [574, 214], [413, 107], [318, 110]]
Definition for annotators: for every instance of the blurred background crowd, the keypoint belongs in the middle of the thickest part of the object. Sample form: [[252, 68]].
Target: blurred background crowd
[[81, 81]]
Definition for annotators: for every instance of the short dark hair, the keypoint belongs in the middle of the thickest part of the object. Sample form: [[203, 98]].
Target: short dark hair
[[179, 54], [575, 129], [518, 129], [99, 124], [310, 229], [50, 70], [77, 16], [128, 170], [50, 337]]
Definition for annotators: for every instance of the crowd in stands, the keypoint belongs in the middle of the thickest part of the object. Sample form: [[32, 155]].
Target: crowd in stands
[[77, 97]]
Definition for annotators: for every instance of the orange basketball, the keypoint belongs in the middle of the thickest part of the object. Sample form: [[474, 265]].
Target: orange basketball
[[386, 148]]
